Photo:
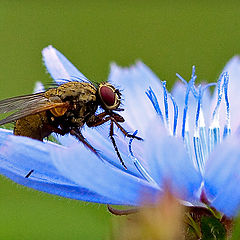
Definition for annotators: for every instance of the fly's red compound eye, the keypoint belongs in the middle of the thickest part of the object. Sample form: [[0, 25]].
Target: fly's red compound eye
[[107, 95], [110, 97]]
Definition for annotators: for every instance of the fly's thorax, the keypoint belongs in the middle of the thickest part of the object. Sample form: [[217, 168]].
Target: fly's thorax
[[82, 99], [51, 93], [79, 91], [82, 102], [72, 91]]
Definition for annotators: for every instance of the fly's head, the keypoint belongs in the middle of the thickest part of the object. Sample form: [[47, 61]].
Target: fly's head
[[110, 97]]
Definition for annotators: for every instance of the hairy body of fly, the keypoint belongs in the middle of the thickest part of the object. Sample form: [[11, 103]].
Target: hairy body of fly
[[81, 99]]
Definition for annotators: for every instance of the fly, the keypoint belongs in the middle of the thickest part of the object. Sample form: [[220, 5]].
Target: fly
[[66, 109]]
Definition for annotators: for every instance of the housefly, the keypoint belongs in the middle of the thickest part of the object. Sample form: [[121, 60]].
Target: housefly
[[66, 109]]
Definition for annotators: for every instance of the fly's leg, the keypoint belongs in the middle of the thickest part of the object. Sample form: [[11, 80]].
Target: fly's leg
[[55, 129], [101, 119], [80, 137], [115, 119], [111, 134]]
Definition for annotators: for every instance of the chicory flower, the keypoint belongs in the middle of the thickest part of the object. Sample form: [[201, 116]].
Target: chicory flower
[[190, 141]]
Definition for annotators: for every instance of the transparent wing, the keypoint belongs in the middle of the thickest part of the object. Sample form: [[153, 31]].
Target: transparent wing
[[60, 68], [20, 102], [26, 105]]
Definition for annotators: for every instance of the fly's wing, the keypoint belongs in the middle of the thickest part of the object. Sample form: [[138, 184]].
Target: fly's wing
[[26, 105], [60, 68]]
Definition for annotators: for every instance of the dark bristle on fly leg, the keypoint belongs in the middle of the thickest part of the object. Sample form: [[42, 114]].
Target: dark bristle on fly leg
[[29, 173]]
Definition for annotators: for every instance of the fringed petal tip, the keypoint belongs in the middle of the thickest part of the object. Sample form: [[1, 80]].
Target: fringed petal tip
[[59, 67]]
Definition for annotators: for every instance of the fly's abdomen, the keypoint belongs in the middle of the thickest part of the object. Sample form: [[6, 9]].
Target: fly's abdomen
[[33, 126]]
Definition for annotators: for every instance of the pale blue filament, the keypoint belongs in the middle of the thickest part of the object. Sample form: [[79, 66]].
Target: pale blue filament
[[175, 107], [189, 88], [138, 165], [165, 103], [227, 128], [200, 139], [193, 90], [219, 94], [214, 130], [214, 137], [198, 148], [151, 95]]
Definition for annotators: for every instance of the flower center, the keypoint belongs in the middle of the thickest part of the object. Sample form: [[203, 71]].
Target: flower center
[[199, 141]]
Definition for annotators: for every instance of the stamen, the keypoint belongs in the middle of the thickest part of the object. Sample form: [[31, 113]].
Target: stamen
[[226, 131], [166, 105], [181, 78], [138, 165], [175, 108], [216, 110], [209, 85], [200, 140], [201, 122], [193, 90], [151, 95], [213, 135], [187, 142], [199, 106], [185, 124], [227, 127], [198, 151], [214, 129], [189, 88]]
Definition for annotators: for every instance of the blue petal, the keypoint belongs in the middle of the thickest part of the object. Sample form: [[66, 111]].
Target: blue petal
[[101, 177], [222, 176], [19, 155], [59, 67], [4, 133], [168, 161], [134, 82], [99, 139]]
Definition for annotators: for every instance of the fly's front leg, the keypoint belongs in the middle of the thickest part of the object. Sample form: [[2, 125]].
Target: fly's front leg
[[97, 120], [101, 119], [116, 118]]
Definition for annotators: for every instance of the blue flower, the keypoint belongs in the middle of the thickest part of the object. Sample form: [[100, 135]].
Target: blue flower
[[190, 141]]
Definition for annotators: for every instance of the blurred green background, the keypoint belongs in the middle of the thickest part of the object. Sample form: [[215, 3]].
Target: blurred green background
[[169, 36]]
